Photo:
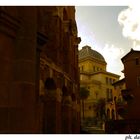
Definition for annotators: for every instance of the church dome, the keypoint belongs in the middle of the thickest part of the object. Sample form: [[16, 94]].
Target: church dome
[[86, 51]]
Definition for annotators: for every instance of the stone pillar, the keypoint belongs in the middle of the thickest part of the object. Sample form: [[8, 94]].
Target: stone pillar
[[6, 58], [22, 97], [52, 110], [40, 89], [9, 25], [78, 118], [66, 115], [74, 118]]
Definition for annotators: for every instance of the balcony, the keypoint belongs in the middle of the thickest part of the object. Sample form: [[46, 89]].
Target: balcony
[[127, 95]]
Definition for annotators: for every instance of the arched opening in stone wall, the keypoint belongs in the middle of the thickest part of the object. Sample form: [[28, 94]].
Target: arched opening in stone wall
[[50, 84], [66, 97], [50, 94]]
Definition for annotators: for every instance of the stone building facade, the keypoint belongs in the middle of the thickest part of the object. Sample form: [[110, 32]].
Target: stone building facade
[[131, 62], [130, 89], [39, 84], [120, 103], [94, 76]]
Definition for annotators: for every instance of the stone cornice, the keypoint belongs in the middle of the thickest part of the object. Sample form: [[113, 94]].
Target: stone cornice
[[66, 25], [73, 28], [8, 24], [41, 39]]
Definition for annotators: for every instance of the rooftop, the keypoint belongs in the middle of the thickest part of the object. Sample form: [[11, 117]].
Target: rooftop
[[86, 51]]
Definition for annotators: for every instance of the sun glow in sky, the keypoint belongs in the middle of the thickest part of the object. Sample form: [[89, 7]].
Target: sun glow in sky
[[129, 19], [110, 30]]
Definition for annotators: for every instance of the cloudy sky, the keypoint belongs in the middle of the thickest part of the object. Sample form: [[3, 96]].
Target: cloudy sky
[[110, 30]]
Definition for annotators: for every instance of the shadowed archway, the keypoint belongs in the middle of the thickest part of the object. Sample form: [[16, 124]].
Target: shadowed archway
[[50, 84], [50, 108]]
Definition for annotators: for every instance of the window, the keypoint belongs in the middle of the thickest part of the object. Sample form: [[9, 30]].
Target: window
[[110, 80], [107, 90], [109, 94], [110, 90], [79, 68], [82, 68], [115, 99], [89, 107], [113, 80], [106, 80], [96, 94], [94, 68]]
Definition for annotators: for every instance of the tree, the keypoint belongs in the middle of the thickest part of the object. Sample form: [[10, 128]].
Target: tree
[[100, 108], [84, 93]]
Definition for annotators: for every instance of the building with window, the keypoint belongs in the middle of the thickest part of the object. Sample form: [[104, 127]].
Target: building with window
[[98, 81], [39, 84], [128, 101], [131, 63], [120, 103]]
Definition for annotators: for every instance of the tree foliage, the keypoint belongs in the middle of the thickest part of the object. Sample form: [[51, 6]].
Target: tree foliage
[[84, 93], [100, 107]]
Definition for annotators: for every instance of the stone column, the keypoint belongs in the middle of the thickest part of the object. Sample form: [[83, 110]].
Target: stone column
[[9, 25], [6, 59], [40, 89], [78, 118], [74, 117], [66, 115], [22, 97], [52, 110]]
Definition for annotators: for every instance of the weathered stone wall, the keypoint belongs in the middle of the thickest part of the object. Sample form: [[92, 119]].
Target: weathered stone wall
[[36, 44]]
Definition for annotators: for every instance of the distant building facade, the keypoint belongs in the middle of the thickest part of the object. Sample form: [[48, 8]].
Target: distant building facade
[[120, 103], [131, 63], [39, 70], [129, 88], [98, 81]]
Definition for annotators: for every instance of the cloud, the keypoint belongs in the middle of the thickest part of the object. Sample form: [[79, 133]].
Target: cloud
[[113, 52], [112, 55], [136, 45], [129, 19]]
